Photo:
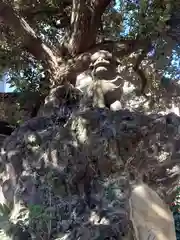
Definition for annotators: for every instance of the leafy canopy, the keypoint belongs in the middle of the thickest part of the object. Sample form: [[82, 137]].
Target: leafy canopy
[[156, 20]]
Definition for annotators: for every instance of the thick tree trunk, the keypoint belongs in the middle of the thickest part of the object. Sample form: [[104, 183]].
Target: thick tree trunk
[[85, 22], [83, 26], [81, 161]]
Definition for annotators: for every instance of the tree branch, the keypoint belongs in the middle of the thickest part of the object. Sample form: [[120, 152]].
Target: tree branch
[[139, 71], [29, 40], [34, 12], [85, 21], [47, 13]]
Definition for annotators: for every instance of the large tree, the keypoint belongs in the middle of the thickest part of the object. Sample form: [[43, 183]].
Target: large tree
[[62, 36]]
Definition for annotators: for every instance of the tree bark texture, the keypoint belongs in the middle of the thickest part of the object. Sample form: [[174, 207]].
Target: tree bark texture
[[99, 144]]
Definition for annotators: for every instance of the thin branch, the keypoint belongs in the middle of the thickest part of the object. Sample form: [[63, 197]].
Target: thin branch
[[28, 38], [47, 13]]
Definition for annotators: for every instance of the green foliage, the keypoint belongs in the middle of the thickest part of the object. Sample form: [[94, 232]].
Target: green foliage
[[29, 82], [177, 223], [175, 208], [28, 78]]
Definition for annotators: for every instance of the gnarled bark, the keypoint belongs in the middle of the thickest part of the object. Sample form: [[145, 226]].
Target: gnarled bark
[[71, 68], [95, 155], [85, 21], [92, 162]]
